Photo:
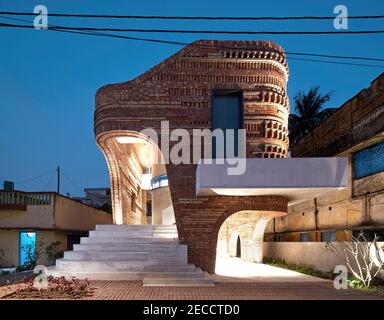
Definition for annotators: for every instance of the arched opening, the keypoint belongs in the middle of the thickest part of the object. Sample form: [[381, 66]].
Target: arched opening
[[138, 178], [241, 236]]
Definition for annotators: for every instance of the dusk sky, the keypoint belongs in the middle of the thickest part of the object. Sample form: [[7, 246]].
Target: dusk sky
[[48, 79]]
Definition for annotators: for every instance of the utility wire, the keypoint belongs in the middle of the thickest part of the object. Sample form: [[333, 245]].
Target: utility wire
[[109, 16], [227, 47], [34, 178], [49, 181], [208, 46], [71, 181], [199, 31]]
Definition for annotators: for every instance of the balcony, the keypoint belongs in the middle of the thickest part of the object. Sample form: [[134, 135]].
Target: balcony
[[297, 179], [19, 200]]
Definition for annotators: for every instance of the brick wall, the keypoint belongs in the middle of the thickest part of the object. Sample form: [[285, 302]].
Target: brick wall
[[180, 90]]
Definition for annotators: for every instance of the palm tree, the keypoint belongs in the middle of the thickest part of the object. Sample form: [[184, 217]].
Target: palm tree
[[309, 113]]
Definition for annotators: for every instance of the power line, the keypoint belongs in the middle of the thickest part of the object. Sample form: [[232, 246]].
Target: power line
[[34, 178], [110, 16], [227, 47], [49, 181], [57, 28], [70, 180], [181, 31]]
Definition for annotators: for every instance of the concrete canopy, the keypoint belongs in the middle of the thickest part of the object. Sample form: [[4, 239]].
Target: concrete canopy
[[297, 179]]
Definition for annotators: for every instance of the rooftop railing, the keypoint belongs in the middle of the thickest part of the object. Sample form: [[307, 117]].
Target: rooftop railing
[[25, 198]]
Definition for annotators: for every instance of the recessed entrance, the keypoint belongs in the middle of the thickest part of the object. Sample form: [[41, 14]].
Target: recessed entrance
[[238, 248]]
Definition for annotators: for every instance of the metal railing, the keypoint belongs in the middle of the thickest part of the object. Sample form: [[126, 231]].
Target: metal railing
[[25, 198]]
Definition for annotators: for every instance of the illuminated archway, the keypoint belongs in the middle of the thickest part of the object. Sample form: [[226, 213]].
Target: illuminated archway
[[132, 158], [249, 227]]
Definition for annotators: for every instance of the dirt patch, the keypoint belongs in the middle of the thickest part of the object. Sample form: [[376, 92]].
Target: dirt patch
[[57, 289]]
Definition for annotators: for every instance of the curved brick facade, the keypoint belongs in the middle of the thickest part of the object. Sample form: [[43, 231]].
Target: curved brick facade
[[179, 90]]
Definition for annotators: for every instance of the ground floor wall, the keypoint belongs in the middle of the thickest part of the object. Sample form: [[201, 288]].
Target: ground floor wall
[[10, 245], [314, 254], [334, 211]]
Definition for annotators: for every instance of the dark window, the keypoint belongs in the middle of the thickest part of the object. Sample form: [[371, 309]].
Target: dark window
[[328, 236], [305, 237], [369, 161], [226, 114]]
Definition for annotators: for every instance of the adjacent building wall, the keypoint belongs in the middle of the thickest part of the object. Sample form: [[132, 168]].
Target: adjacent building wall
[[312, 254], [51, 222], [358, 124], [73, 215], [10, 245]]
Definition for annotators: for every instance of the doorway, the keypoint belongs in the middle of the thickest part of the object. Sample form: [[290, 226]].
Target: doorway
[[238, 248], [27, 245]]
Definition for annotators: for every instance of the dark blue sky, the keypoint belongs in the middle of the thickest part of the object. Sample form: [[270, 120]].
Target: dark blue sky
[[48, 79]]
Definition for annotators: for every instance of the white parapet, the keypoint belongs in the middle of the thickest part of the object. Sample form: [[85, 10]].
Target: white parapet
[[298, 179]]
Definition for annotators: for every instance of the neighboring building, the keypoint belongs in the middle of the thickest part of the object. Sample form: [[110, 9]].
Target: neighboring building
[[29, 218], [356, 131], [99, 198]]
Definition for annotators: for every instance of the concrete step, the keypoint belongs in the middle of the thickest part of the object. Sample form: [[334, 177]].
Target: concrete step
[[124, 227], [126, 240], [132, 234], [172, 275], [171, 268], [101, 266], [178, 282], [126, 266], [97, 275], [146, 247], [125, 256], [132, 252], [123, 275]]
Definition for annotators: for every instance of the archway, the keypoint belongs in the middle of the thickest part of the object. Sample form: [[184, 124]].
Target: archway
[[138, 179], [241, 235]]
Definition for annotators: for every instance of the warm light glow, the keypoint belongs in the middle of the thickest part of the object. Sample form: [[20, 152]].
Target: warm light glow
[[237, 268], [127, 140], [146, 180]]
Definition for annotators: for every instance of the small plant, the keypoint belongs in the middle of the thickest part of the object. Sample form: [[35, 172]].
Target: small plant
[[33, 253], [357, 255], [305, 269], [52, 251]]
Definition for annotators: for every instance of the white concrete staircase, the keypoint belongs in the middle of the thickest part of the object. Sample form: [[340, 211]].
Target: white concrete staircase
[[150, 253]]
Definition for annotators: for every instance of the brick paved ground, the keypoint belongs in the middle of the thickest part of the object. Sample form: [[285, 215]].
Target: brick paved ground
[[251, 281], [132, 290], [236, 280]]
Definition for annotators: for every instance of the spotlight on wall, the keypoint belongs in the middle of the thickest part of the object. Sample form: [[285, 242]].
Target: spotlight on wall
[[146, 179], [128, 140]]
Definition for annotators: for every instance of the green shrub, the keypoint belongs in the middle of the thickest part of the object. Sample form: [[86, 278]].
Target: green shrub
[[52, 251]]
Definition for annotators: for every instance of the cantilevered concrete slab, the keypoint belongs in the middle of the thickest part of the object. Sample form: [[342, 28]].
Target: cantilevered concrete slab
[[297, 179]]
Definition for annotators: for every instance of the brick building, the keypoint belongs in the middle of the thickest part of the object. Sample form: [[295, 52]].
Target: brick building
[[235, 87], [181, 90]]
